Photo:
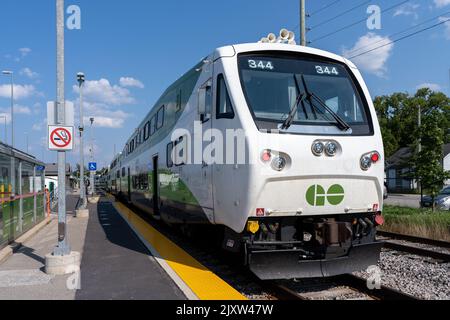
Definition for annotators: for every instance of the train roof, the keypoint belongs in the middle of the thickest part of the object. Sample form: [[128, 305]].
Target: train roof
[[232, 50]]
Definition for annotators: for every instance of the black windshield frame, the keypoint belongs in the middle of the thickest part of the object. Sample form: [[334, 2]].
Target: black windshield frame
[[265, 124]]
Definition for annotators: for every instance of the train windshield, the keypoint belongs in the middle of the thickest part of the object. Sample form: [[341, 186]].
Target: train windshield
[[312, 96]]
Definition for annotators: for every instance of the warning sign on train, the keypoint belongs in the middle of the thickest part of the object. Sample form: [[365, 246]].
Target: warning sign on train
[[60, 138]]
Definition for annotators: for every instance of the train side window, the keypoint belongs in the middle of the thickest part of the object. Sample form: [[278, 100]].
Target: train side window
[[170, 155], [147, 131], [205, 101], [123, 172], [160, 117], [224, 108], [153, 126], [180, 152], [179, 101]]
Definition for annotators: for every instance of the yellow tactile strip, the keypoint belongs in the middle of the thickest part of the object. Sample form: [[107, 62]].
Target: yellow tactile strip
[[202, 281]]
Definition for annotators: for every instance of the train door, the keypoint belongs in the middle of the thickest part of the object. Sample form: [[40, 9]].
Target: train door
[[155, 187], [129, 185], [205, 101], [226, 168]]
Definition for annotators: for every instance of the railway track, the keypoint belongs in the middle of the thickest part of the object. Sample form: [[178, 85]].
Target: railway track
[[337, 288], [345, 287], [442, 254]]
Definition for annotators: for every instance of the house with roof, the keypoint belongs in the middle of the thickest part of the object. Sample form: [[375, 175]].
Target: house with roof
[[399, 172]]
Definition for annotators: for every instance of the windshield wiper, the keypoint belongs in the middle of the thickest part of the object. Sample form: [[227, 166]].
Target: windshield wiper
[[290, 119], [339, 121]]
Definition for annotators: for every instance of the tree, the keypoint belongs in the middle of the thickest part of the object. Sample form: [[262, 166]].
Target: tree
[[398, 116]]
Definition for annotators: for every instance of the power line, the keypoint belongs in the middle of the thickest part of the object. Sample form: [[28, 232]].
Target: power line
[[400, 32], [340, 15], [325, 7], [402, 38], [358, 22]]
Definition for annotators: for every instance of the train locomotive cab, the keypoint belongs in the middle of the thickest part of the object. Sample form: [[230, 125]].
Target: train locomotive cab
[[278, 146], [309, 200]]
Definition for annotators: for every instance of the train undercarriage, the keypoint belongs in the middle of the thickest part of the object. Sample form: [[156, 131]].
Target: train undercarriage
[[309, 247]]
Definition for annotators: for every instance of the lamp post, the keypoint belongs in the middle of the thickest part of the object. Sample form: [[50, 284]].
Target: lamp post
[[81, 80], [92, 187], [11, 74]]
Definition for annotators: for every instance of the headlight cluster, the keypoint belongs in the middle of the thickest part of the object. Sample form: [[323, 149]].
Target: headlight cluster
[[277, 161], [329, 148], [369, 159]]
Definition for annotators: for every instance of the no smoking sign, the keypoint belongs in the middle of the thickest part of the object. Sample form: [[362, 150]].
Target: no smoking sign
[[60, 138]]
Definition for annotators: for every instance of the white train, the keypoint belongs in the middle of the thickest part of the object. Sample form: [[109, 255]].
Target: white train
[[278, 146]]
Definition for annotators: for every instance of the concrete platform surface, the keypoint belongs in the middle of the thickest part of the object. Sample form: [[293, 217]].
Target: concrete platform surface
[[115, 264]]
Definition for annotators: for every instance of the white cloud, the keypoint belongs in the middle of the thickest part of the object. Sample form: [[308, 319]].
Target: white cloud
[[107, 122], [441, 3], [24, 51], [37, 127], [447, 26], [375, 61], [104, 115], [102, 91], [131, 82], [20, 91], [29, 73], [431, 86], [4, 115], [18, 109], [407, 10]]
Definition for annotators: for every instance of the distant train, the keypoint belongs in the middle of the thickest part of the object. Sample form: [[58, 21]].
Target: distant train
[[276, 145]]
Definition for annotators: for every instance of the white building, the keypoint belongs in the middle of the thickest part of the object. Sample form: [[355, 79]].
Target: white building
[[446, 160]]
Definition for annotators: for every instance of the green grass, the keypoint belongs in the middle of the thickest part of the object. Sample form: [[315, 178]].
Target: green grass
[[418, 222]]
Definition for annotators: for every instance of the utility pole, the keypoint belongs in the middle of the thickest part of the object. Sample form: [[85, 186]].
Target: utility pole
[[63, 248], [92, 187], [62, 260], [419, 123], [81, 79], [303, 22]]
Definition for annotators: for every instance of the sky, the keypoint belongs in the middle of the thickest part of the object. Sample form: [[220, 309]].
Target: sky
[[132, 50]]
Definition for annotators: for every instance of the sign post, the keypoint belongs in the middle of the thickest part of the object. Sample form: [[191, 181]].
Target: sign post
[[62, 261]]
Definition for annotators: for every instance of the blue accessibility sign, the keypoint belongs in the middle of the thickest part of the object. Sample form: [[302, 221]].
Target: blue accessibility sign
[[92, 166], [40, 168]]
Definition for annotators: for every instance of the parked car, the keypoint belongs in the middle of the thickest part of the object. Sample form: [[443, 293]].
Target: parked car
[[442, 200]]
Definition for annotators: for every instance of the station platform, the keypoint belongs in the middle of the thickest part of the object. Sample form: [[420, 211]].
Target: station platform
[[123, 258]]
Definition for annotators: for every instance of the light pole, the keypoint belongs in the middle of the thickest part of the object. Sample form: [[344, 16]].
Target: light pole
[[92, 187], [81, 79], [6, 131], [11, 74]]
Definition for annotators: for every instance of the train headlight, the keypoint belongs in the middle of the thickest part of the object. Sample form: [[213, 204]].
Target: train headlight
[[279, 163], [318, 148], [366, 162], [331, 149]]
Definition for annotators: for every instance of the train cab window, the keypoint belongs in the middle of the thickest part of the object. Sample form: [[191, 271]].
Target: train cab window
[[224, 107], [160, 118], [170, 155], [153, 126], [147, 131]]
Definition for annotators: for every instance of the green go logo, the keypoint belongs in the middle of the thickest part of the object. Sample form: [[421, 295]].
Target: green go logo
[[317, 197]]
